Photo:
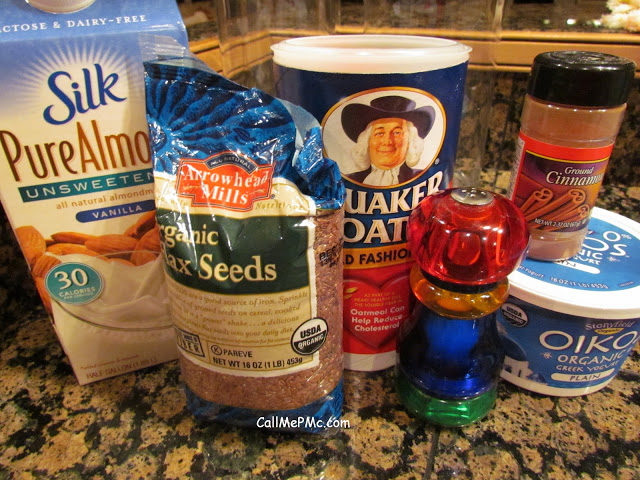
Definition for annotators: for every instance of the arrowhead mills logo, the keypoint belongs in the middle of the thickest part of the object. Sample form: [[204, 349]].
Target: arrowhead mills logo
[[225, 180]]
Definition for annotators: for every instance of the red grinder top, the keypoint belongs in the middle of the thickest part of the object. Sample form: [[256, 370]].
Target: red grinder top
[[467, 236]]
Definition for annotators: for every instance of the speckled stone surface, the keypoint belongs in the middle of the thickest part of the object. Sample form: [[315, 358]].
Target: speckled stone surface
[[136, 426]]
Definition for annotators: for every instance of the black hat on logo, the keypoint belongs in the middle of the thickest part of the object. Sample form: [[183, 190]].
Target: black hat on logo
[[356, 116]]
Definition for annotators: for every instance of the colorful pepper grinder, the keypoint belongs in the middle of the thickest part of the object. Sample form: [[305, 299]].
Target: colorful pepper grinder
[[465, 242]]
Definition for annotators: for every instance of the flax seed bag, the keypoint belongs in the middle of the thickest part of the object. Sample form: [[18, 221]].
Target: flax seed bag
[[250, 216]]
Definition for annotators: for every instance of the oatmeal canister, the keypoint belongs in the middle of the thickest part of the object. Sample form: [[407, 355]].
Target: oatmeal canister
[[390, 109], [568, 326], [77, 184]]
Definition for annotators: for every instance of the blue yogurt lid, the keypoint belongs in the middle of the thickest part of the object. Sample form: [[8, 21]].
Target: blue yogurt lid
[[602, 281]]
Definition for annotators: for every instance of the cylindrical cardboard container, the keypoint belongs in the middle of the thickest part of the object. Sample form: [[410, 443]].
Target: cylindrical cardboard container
[[390, 109], [568, 326]]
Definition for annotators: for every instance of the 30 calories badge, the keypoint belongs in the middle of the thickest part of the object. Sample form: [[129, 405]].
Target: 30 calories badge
[[226, 180], [74, 283]]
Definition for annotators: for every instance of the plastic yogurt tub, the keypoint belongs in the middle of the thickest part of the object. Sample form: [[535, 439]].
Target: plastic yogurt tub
[[568, 326]]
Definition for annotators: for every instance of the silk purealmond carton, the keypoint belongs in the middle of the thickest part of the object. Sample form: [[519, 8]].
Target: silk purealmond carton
[[77, 184]]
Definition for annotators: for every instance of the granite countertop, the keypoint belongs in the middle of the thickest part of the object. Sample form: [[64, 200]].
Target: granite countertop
[[136, 425]]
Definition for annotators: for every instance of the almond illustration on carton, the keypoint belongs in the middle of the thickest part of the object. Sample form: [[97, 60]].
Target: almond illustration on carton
[[150, 241], [71, 237], [31, 242], [147, 247], [112, 244], [70, 248], [138, 245], [145, 223], [43, 265]]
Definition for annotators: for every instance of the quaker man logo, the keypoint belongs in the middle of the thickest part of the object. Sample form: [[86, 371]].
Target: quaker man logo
[[227, 180], [385, 137]]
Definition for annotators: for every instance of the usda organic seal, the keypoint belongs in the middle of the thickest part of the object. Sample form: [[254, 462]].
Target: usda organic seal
[[310, 336]]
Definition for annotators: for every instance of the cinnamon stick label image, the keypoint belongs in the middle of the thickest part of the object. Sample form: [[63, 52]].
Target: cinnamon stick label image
[[556, 187]]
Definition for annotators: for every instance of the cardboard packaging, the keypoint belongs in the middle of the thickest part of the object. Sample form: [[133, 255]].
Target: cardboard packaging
[[76, 174]]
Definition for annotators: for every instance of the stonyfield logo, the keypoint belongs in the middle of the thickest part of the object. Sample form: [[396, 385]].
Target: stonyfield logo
[[225, 180]]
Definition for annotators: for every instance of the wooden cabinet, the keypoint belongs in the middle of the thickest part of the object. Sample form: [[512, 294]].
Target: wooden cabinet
[[505, 34]]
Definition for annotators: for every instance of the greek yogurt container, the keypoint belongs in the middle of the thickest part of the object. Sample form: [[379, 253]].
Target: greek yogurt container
[[568, 326]]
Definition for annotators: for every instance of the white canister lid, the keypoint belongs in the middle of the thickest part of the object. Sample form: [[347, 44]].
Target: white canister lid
[[369, 53], [60, 6], [602, 281]]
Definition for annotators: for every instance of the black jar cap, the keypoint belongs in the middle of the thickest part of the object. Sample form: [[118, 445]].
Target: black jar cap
[[588, 79]]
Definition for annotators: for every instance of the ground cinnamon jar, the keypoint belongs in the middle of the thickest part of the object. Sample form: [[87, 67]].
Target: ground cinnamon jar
[[571, 116]]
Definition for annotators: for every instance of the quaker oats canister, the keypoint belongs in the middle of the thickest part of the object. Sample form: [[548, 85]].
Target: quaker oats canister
[[568, 326], [390, 109]]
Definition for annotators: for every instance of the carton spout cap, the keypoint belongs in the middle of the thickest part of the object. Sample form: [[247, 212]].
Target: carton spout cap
[[60, 6]]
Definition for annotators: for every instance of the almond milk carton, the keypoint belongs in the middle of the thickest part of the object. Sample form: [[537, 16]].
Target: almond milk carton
[[76, 174]]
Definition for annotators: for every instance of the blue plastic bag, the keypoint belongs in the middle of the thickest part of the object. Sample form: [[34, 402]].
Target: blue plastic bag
[[250, 217]]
